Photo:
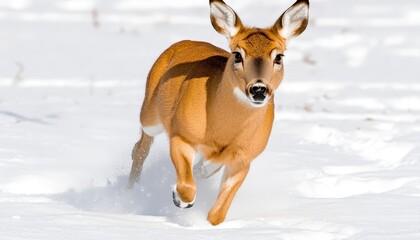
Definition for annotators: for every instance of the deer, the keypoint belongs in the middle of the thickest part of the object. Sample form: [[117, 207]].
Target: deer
[[216, 103]]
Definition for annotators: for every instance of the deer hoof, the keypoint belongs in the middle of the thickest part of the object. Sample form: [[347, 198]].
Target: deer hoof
[[178, 202]]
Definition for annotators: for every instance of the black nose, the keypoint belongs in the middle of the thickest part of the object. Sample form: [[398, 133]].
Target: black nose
[[258, 91]]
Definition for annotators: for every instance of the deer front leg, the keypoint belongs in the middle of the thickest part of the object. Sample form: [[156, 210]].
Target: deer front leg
[[233, 177], [182, 155]]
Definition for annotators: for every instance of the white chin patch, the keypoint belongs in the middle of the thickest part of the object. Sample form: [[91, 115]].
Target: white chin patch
[[259, 104], [243, 98]]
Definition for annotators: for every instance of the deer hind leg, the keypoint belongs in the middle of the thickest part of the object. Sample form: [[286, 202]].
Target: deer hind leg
[[233, 177], [182, 155], [139, 154], [205, 169]]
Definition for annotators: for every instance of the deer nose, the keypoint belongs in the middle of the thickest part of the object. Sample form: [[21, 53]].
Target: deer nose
[[258, 91]]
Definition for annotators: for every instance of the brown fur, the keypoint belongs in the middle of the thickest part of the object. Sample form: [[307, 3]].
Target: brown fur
[[190, 92]]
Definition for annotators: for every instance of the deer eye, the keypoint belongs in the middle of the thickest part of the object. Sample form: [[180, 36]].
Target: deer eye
[[278, 58], [238, 57]]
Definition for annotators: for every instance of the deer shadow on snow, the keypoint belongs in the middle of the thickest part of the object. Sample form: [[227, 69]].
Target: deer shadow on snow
[[152, 196]]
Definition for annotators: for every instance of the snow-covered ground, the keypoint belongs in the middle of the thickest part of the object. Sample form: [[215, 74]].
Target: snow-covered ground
[[343, 161]]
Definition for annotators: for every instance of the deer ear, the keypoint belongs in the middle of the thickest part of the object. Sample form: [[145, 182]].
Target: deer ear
[[224, 19], [294, 20]]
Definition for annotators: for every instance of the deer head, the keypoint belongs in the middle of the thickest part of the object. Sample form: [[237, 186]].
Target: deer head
[[255, 67]]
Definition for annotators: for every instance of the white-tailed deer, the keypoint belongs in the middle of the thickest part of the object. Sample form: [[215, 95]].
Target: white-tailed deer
[[216, 103]]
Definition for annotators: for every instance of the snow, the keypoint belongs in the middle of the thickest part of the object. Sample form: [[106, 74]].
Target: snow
[[343, 160]]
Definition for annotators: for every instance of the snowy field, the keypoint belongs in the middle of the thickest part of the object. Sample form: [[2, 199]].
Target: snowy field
[[343, 161]]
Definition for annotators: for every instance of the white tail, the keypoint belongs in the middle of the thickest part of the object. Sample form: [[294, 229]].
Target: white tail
[[216, 102]]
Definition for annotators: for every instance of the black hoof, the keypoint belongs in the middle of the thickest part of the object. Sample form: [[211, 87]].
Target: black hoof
[[178, 202]]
